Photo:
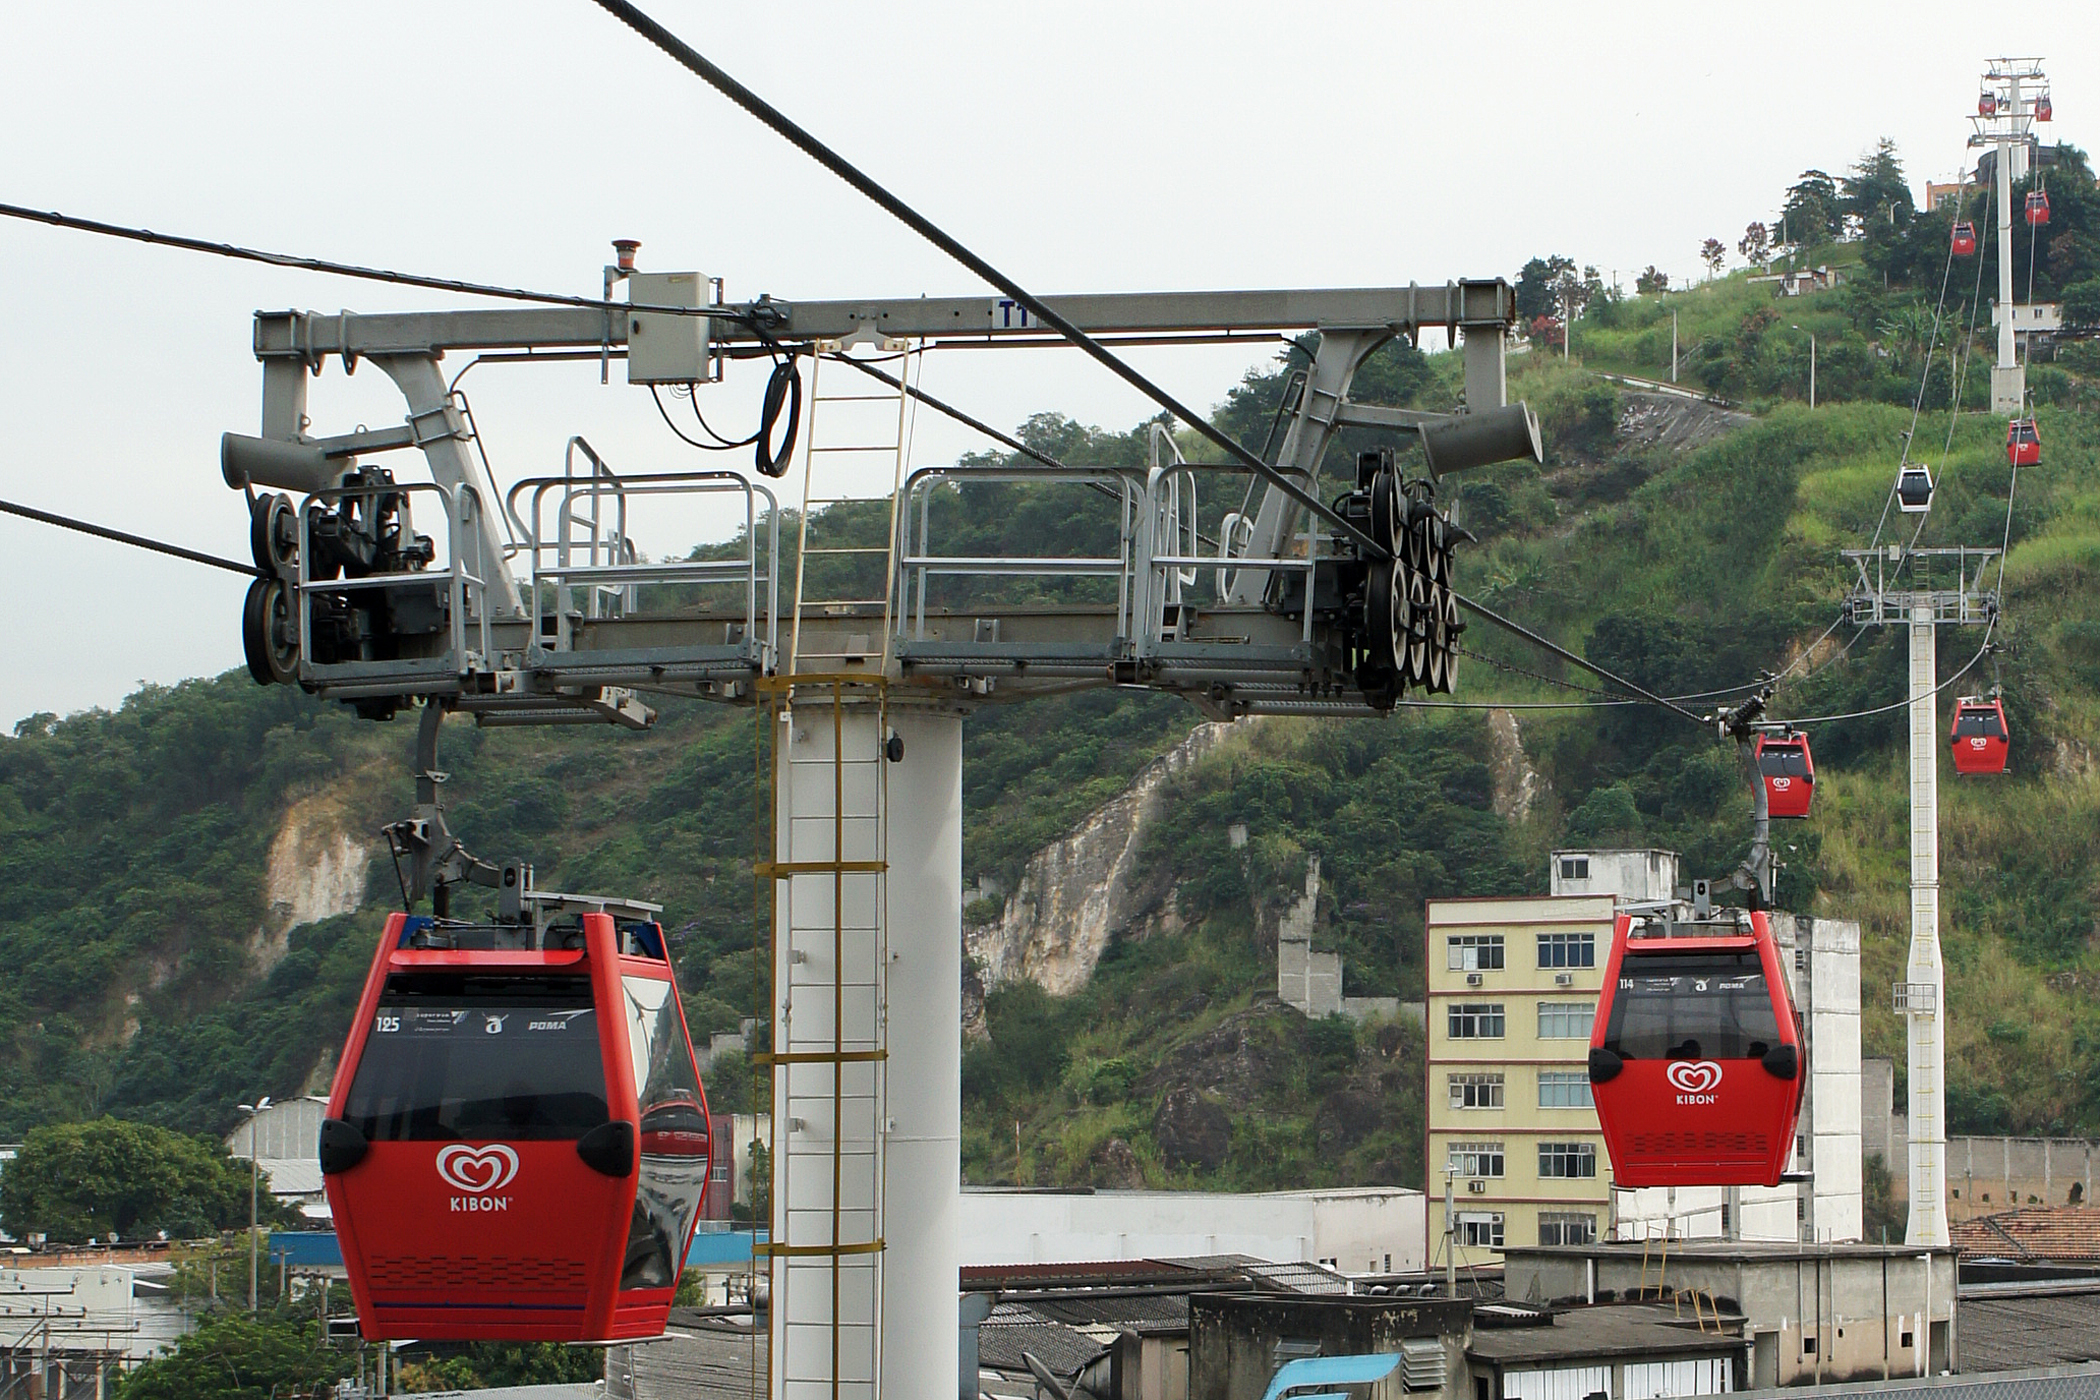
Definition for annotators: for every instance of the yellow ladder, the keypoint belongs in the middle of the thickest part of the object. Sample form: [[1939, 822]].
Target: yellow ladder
[[869, 426]]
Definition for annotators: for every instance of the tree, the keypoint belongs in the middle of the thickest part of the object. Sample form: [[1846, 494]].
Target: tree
[[1756, 245], [2082, 303], [1535, 286], [1813, 212], [1651, 281], [1714, 254], [1874, 193], [74, 1181], [235, 1357]]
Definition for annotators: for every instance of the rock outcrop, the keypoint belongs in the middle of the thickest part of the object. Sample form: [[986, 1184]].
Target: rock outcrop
[[1517, 784], [1081, 891], [316, 870]]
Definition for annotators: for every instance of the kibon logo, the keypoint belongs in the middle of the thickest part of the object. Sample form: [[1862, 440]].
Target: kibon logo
[[1782, 784], [480, 1172], [1695, 1080]]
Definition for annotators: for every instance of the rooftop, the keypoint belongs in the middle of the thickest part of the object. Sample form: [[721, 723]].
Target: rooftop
[[2023, 1327], [1720, 1251], [1611, 1329], [2032, 1232]]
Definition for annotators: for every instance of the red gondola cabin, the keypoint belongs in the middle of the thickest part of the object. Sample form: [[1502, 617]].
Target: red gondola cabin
[[1695, 1055], [2038, 207], [2023, 445], [1964, 240], [1788, 771], [1978, 736], [517, 1140], [2044, 109], [1986, 104]]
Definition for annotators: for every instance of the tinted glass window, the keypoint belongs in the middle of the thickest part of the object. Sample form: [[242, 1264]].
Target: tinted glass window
[[1978, 724], [675, 1141], [1691, 1006], [1783, 763], [471, 1055]]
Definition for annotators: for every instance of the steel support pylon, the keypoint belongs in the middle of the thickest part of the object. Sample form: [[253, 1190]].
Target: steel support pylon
[[1925, 978], [867, 969]]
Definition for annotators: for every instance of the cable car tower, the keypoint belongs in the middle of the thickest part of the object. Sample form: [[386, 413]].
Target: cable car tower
[[1924, 590], [2015, 94], [553, 602]]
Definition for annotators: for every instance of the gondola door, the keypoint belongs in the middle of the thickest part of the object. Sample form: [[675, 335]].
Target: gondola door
[[1695, 1058]]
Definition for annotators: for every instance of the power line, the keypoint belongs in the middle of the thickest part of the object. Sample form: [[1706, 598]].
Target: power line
[[690, 59], [67, 522], [1981, 652]]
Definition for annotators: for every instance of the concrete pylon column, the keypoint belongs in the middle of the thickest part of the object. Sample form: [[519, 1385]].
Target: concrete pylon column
[[866, 1176], [1927, 998]]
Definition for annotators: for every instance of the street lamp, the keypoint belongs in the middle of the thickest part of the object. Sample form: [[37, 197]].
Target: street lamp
[[254, 1111], [1811, 364]]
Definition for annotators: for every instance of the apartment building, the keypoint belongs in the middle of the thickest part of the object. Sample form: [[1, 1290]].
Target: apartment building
[[1512, 989]]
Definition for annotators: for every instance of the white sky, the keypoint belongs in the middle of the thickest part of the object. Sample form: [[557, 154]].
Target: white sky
[[1078, 146]]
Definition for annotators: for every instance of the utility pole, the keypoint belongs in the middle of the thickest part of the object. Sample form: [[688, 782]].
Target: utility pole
[[1450, 1235], [1879, 597], [1811, 365], [254, 1111], [1673, 345]]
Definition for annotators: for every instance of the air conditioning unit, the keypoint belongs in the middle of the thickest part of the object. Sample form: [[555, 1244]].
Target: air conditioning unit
[[1477, 1187], [1563, 979], [1473, 979]]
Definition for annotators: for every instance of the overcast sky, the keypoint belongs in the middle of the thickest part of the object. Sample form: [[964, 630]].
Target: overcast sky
[[1080, 147]]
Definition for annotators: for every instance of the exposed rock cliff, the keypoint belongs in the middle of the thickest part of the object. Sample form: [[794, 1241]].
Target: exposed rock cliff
[[316, 870], [1079, 892]]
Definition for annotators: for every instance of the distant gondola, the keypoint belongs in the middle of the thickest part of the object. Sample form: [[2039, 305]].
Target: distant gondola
[[2023, 445], [1978, 735], [1964, 240], [517, 1141], [1787, 771], [1913, 489], [1695, 1056]]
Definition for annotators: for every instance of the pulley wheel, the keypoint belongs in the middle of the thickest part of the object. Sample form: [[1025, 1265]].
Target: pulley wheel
[[1388, 511], [269, 639], [273, 535], [1415, 661], [1384, 608], [1437, 679]]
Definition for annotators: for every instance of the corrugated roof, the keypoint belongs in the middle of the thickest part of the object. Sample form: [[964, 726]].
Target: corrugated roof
[[1004, 1336], [2032, 1232], [2006, 1334], [1610, 1329]]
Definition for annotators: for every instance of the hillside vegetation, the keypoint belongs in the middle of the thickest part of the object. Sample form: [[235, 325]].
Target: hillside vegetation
[[152, 979]]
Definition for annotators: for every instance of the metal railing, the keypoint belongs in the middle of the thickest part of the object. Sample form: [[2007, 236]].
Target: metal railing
[[582, 564]]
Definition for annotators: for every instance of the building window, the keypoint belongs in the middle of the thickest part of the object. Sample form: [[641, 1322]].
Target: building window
[[1476, 1091], [1567, 1159], [1480, 1229], [1565, 1020], [1567, 1227], [1474, 952], [1574, 867], [1479, 1020], [1567, 950], [1476, 1158], [1565, 1088]]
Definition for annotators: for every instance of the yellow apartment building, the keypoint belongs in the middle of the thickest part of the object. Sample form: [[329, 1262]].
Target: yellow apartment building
[[1512, 985]]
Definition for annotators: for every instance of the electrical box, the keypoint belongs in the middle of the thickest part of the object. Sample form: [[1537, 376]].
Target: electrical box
[[664, 348]]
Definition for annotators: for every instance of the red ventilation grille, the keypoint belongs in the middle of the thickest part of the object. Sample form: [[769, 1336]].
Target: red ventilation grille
[[475, 1271], [1702, 1146]]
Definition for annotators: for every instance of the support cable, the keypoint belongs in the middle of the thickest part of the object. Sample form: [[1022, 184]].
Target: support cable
[[1981, 652], [175, 551], [1489, 615], [691, 60]]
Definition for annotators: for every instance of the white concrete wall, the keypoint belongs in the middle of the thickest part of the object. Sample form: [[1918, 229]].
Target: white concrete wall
[[1357, 1229], [1639, 876]]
